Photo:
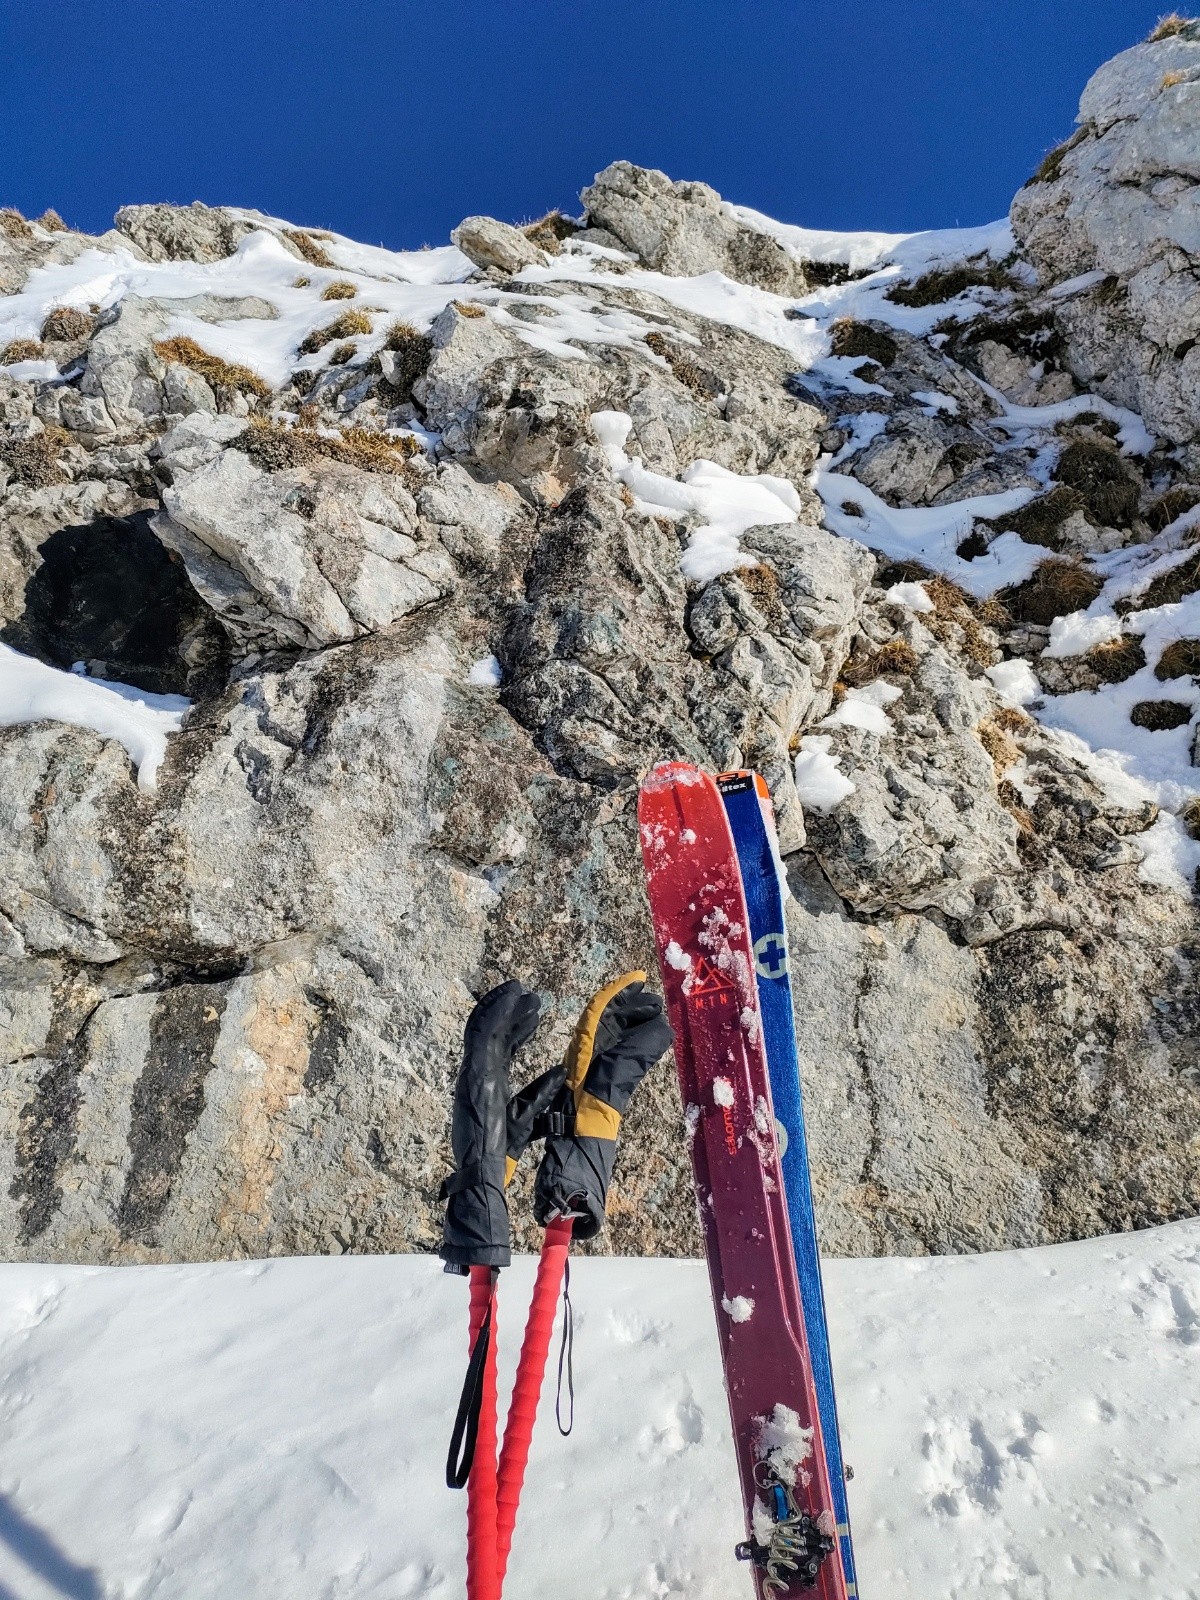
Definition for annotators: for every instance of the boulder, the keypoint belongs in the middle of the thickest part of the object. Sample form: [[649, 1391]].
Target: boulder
[[684, 229]]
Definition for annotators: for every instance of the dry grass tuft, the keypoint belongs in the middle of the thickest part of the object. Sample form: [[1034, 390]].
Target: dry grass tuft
[[548, 232], [1056, 589], [343, 354], [1170, 586], [65, 324], [301, 282], [348, 326], [1010, 798], [1181, 659], [306, 246], [467, 308], [1169, 26], [999, 744], [1160, 716], [275, 448], [1117, 659], [1039, 521], [1190, 816], [340, 289], [897, 657], [1170, 79], [13, 224], [51, 222], [761, 583], [694, 378], [1161, 513], [21, 350], [413, 353], [940, 284], [34, 461], [1097, 473], [223, 376], [859, 339], [1051, 163], [954, 608]]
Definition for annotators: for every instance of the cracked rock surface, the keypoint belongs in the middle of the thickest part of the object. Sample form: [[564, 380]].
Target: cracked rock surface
[[434, 626]]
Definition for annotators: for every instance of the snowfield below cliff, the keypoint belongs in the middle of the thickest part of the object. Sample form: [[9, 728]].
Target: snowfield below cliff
[[1023, 1424]]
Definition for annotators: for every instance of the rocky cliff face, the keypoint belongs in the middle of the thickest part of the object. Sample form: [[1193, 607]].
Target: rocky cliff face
[[445, 548]]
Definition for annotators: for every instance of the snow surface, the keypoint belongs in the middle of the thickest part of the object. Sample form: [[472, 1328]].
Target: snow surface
[[1023, 1426], [728, 503], [30, 691], [486, 673], [864, 708], [820, 781]]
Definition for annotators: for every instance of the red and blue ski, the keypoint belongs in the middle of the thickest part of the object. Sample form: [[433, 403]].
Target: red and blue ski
[[752, 823], [702, 932]]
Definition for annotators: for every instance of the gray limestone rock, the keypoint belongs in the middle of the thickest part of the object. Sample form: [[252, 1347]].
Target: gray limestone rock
[[1122, 201], [683, 229], [231, 1010], [489, 243]]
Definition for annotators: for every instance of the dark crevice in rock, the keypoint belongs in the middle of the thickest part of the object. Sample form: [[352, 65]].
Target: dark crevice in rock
[[46, 1138], [325, 1050], [107, 593], [167, 1102]]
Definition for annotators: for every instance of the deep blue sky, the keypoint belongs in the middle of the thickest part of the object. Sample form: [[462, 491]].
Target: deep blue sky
[[390, 121]]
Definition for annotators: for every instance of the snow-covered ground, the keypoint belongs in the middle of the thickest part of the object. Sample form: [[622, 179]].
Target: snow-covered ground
[[1021, 1425]]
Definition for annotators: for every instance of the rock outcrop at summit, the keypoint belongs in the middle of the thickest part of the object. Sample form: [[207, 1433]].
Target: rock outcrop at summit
[[447, 547], [1119, 205]]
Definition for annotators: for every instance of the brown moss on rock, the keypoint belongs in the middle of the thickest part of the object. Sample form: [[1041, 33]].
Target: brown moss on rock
[[999, 744], [340, 289], [224, 377], [65, 324], [348, 326], [305, 242], [1181, 659], [852, 338], [35, 461], [1055, 590]]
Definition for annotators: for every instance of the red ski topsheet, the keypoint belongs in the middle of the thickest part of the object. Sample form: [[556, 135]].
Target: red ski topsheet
[[701, 930]]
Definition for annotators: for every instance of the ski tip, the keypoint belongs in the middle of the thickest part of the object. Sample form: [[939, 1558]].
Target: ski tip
[[741, 779], [672, 775]]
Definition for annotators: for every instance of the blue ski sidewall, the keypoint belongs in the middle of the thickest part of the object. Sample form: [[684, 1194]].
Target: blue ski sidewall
[[768, 934]]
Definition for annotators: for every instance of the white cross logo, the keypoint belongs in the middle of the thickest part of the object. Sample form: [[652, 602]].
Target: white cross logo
[[770, 956]]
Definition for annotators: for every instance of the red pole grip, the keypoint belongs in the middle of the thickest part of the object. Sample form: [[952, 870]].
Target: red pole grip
[[483, 1571], [518, 1430]]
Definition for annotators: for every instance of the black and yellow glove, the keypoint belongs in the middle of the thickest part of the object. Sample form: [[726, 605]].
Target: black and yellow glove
[[619, 1036]]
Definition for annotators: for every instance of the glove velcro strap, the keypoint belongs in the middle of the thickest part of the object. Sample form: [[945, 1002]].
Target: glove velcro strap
[[470, 1176], [594, 1119]]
